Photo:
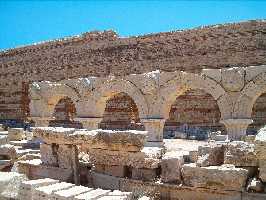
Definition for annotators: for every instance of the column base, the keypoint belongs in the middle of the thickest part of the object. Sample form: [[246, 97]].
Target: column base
[[236, 128], [90, 123]]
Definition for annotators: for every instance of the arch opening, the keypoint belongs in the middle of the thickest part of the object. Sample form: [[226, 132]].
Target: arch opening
[[194, 115], [121, 113], [64, 114], [258, 115]]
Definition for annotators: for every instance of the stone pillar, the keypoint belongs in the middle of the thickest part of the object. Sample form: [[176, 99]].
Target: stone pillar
[[90, 123], [236, 128], [155, 129], [75, 164], [41, 121]]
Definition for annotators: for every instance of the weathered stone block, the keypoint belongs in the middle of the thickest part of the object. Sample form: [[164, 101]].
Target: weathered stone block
[[171, 167], [26, 187], [16, 134], [143, 159], [225, 177], [92, 195], [9, 151], [64, 156], [68, 194], [49, 154], [240, 154], [210, 154], [104, 181], [144, 174], [45, 192]]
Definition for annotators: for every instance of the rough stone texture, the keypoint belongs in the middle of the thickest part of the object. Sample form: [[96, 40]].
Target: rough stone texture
[[16, 133], [68, 194], [119, 140], [105, 181], [65, 156], [210, 154], [109, 54], [171, 165], [45, 192], [144, 174], [9, 151], [26, 187], [225, 177], [35, 170], [49, 154], [141, 159], [240, 154], [10, 183]]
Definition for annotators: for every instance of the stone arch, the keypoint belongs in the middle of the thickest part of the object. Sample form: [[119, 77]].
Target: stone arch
[[47, 95], [112, 87], [183, 83], [195, 113], [248, 96], [121, 113]]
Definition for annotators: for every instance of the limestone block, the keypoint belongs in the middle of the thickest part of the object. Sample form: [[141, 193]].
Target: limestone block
[[26, 187], [49, 154], [255, 185], [8, 151], [214, 74], [45, 192], [225, 177], [16, 134], [128, 140], [4, 139], [112, 170], [171, 167], [144, 174], [68, 194], [240, 154], [253, 71], [92, 195], [35, 170], [210, 154], [64, 156], [104, 181], [10, 185], [56, 135], [233, 79], [143, 159]]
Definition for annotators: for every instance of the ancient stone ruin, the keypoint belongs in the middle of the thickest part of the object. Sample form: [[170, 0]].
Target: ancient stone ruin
[[178, 115]]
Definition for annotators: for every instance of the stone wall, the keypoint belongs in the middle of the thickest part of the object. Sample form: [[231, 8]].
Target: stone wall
[[105, 53]]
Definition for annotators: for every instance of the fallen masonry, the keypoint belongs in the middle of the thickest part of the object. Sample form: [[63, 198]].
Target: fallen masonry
[[140, 169], [176, 116]]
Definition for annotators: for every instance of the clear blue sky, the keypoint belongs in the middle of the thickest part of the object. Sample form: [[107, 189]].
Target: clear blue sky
[[26, 22]]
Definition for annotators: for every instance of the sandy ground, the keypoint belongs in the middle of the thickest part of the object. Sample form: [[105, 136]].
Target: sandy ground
[[182, 144]]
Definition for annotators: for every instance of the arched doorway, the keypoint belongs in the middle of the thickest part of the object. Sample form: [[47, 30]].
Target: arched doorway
[[194, 114], [121, 113], [64, 114], [258, 115]]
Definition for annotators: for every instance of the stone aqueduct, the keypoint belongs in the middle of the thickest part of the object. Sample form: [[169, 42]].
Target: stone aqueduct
[[234, 89]]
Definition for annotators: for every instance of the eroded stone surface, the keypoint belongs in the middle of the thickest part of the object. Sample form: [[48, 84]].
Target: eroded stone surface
[[240, 154], [225, 177]]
